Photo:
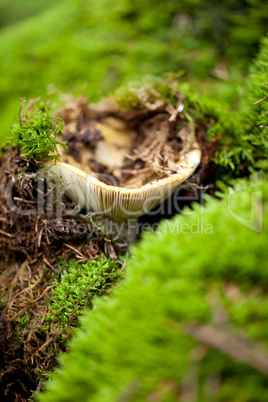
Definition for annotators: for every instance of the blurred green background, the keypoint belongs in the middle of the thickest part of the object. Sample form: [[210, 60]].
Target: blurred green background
[[92, 46]]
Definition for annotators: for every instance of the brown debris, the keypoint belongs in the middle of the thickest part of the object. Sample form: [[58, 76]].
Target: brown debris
[[104, 174], [31, 240], [88, 136], [162, 134]]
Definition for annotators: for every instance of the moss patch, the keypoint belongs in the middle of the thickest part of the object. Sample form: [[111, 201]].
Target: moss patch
[[76, 286], [40, 310], [70, 44], [198, 280], [36, 133], [258, 99]]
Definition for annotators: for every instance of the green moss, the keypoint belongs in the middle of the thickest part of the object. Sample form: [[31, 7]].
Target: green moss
[[258, 99], [240, 147], [16, 10], [36, 134], [132, 95], [77, 285], [24, 320], [58, 305], [204, 266], [69, 44]]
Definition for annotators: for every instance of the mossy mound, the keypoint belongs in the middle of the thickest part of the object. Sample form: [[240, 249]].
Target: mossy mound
[[258, 107], [189, 322], [40, 306], [69, 44]]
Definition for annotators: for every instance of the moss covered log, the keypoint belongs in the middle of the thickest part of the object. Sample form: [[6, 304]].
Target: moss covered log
[[202, 277]]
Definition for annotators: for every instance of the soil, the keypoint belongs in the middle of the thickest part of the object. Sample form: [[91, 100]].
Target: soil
[[31, 244]]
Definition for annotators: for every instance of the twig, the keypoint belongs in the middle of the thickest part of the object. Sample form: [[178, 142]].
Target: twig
[[260, 100], [196, 186], [5, 233], [50, 266], [123, 266], [235, 347], [39, 237], [26, 201], [74, 249]]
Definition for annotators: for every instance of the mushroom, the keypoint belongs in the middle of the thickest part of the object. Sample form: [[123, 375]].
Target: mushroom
[[116, 202]]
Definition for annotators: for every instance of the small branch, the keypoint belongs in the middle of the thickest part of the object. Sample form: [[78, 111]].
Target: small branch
[[260, 100], [50, 266], [196, 186], [74, 249], [5, 233], [237, 348], [26, 201], [123, 266]]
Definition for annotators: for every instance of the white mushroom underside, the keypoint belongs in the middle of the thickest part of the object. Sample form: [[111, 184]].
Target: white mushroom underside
[[120, 202]]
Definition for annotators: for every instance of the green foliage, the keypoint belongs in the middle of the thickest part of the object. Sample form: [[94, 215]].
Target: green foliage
[[76, 286], [204, 266], [258, 98], [23, 321], [77, 42], [150, 89], [16, 10], [36, 134], [239, 147]]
